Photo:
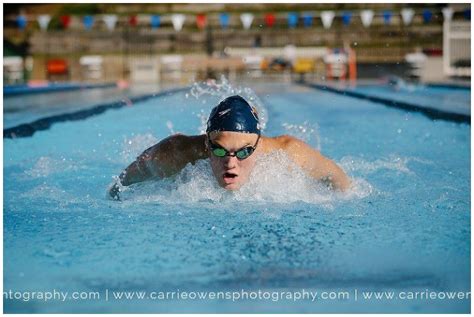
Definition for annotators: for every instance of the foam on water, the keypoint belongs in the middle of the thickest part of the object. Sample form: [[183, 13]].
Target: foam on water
[[393, 162], [275, 178], [46, 166]]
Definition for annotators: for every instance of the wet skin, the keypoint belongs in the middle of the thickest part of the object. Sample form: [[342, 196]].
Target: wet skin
[[230, 172]]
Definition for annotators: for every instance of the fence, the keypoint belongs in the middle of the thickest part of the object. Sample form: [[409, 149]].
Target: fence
[[457, 48]]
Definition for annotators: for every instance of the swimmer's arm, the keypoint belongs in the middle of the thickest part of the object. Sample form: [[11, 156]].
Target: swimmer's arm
[[316, 165], [163, 159]]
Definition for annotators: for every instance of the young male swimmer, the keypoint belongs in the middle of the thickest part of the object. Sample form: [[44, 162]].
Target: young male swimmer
[[232, 143]]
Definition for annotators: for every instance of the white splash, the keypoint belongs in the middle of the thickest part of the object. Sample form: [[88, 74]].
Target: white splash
[[222, 90], [306, 132], [275, 178], [133, 147], [46, 166], [393, 162]]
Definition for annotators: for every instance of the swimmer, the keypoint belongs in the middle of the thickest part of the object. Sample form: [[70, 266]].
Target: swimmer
[[232, 143]]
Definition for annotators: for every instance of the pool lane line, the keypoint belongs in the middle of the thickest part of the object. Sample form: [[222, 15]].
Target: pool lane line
[[432, 113], [15, 91], [28, 129], [450, 86]]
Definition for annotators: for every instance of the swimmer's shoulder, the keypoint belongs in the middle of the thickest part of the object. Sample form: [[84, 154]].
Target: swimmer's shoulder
[[189, 146], [281, 142]]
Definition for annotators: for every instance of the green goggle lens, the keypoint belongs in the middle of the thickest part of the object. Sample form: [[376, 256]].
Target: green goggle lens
[[244, 153], [240, 154], [219, 152]]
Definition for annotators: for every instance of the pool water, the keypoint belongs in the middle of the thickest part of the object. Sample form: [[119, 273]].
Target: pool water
[[20, 109], [404, 227], [454, 100]]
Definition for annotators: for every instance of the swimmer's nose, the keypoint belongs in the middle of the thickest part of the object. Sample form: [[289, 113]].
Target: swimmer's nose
[[230, 162]]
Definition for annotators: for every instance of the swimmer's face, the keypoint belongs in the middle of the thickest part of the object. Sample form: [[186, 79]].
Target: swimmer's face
[[230, 172]]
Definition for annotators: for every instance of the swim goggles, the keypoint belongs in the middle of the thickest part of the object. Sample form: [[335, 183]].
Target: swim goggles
[[241, 154]]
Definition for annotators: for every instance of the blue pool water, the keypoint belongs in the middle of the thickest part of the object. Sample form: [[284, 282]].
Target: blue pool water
[[442, 98], [20, 109], [404, 227]]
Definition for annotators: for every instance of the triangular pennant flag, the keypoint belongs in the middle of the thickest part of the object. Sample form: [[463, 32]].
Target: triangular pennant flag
[[247, 19], [132, 20], [467, 14], [366, 16], [201, 21], [88, 21], [387, 16], [178, 21], [269, 19], [407, 15], [21, 21], [155, 21], [110, 20], [346, 18], [307, 20], [65, 21], [224, 20], [427, 15], [326, 18], [292, 20], [447, 13], [43, 21]]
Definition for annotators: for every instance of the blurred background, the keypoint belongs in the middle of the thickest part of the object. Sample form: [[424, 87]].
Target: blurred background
[[177, 44]]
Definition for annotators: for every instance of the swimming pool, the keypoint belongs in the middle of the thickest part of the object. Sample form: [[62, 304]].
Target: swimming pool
[[405, 227]]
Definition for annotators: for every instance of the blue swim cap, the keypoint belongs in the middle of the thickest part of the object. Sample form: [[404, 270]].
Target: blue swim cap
[[233, 114]]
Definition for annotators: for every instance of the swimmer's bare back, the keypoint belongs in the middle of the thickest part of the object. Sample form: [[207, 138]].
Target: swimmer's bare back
[[172, 154]]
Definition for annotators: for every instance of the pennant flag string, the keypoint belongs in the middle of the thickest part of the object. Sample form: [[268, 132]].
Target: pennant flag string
[[467, 14], [307, 20], [110, 20], [132, 20], [326, 18], [366, 16], [21, 21], [65, 21], [427, 15], [447, 13], [88, 21], [407, 15], [155, 21], [387, 16], [178, 21], [270, 19], [346, 18], [224, 20], [247, 19], [292, 20], [201, 21], [43, 21]]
